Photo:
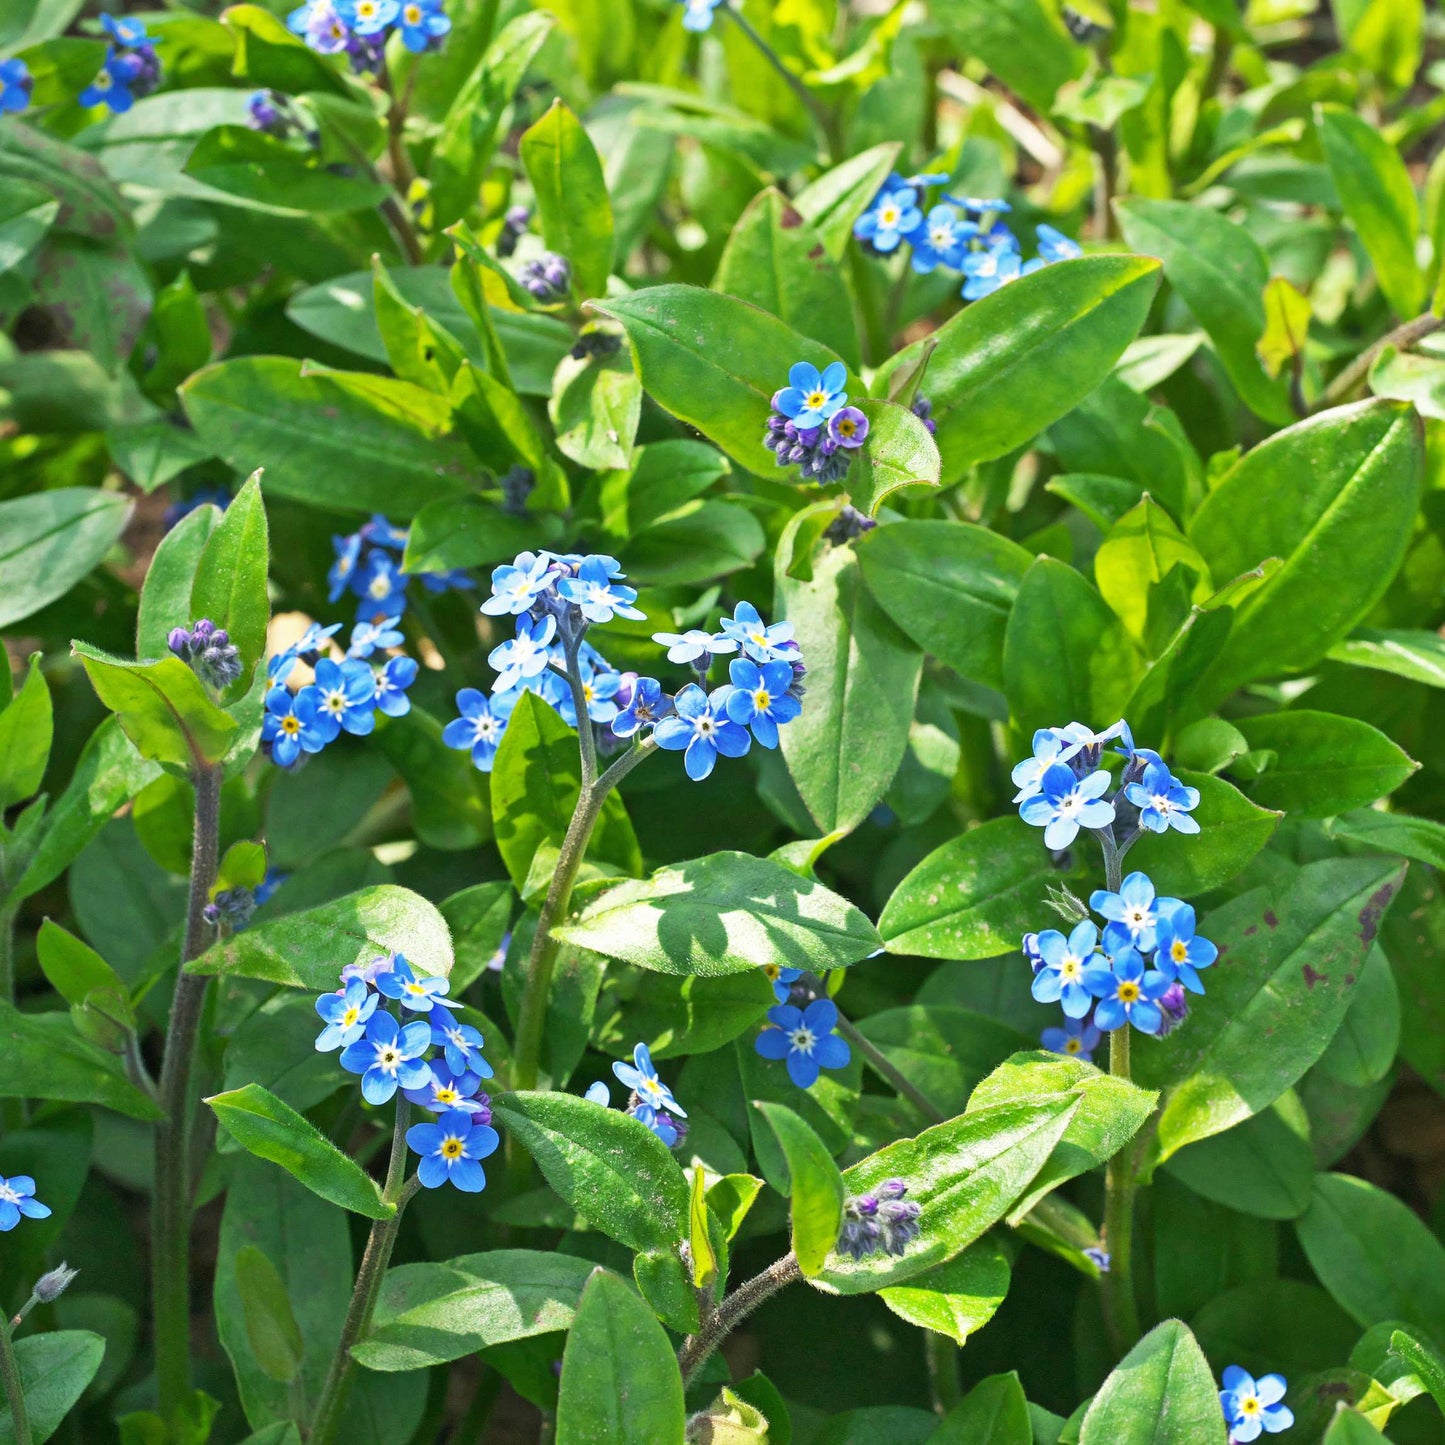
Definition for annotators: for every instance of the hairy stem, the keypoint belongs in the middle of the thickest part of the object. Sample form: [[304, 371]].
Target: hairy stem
[[696, 1349], [367, 1289], [171, 1200], [1344, 386], [878, 1061], [527, 1048], [10, 1378]]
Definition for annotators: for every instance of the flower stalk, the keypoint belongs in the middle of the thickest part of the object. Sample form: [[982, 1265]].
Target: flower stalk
[[10, 1379]]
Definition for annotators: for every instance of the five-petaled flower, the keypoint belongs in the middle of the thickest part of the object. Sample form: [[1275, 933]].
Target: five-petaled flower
[[811, 396], [17, 1197], [1182, 953], [389, 1057], [641, 1077], [1163, 801], [892, 216], [782, 979], [805, 1038], [1064, 804], [422, 24], [367, 637], [760, 698], [1133, 913], [516, 585], [347, 691], [1051, 746], [462, 1045], [296, 725], [525, 655], [848, 427], [1127, 992], [1253, 1407], [450, 1150], [700, 724], [345, 1014], [596, 593], [419, 992], [941, 239], [1060, 978], [368, 17], [481, 726], [646, 707], [1078, 1038], [392, 682], [16, 83], [761, 642], [447, 1088], [694, 644]]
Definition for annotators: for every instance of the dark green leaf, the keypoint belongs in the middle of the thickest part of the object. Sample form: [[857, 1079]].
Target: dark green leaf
[[994, 1412], [1020, 41], [54, 1370], [1232, 831], [1422, 839], [942, 1051], [271, 1328], [275, 176], [1263, 1166], [45, 1058], [449, 797]]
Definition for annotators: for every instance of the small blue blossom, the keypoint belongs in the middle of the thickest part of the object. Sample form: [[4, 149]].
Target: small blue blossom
[[113, 82], [392, 682], [848, 428], [369, 971], [296, 725], [348, 555], [981, 206], [641, 1077], [481, 726], [805, 1038], [1253, 1407], [345, 1015], [987, 270], [941, 240], [367, 637], [697, 14], [450, 1150], [462, 1045], [456, 579], [761, 642], [124, 30], [893, 217], [423, 24], [811, 396], [1127, 993], [598, 1093], [347, 690], [417, 991], [368, 17], [524, 655], [16, 83], [597, 595], [389, 1057], [660, 1124], [694, 644], [647, 706], [1055, 246], [517, 585], [320, 25], [379, 531], [380, 585], [1064, 804], [1163, 801], [448, 1088], [701, 726], [17, 1197], [1181, 952], [760, 698], [599, 695], [1050, 746], [1133, 913], [782, 980], [1078, 1038], [1066, 961]]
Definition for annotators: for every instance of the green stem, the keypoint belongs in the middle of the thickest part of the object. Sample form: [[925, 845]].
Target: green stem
[[1354, 375], [826, 127], [171, 1200], [367, 1289], [10, 1378], [878, 1061], [7, 949], [527, 1048], [941, 1357], [696, 1349]]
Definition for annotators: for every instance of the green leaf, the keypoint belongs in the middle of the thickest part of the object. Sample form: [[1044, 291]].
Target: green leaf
[[701, 540], [268, 54], [658, 479], [165, 598], [954, 1299], [535, 783], [725, 913], [1065, 653], [1364, 1049], [974, 897], [839, 196], [815, 1188], [99, 1001], [1009, 365], [950, 586], [1420, 656], [1422, 839], [1161, 1393], [1232, 831], [450, 799], [1406, 376], [45, 1058], [1220, 271], [1351, 1428], [596, 405], [309, 949], [163, 707], [429, 1314], [699, 1230], [845, 746], [307, 426], [1335, 497], [26, 727], [1379, 199], [1424, 1358], [26, 214], [1290, 960], [1324, 763], [965, 1174], [230, 585], [469, 532], [51, 540], [899, 452], [1020, 41], [274, 176], [572, 202], [777, 261], [54, 1370], [1373, 1253], [609, 1166], [1286, 326], [620, 1380], [269, 1129], [994, 1412], [271, 1327], [1139, 553], [1264, 1166], [715, 362]]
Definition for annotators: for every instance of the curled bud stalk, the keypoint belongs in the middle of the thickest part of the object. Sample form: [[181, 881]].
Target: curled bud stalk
[[209, 652], [883, 1222], [1066, 903]]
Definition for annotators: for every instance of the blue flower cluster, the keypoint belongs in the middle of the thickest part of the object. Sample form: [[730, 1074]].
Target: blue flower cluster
[[131, 69], [649, 1100], [345, 696], [805, 1038], [962, 234], [392, 1055], [16, 84], [1253, 1407], [1062, 787], [17, 1197], [1136, 974], [360, 27], [811, 425], [368, 565], [555, 597]]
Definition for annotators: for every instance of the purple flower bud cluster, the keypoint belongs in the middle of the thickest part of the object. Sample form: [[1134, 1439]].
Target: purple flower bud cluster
[[848, 524], [923, 409], [822, 453], [517, 485], [1174, 1005], [514, 226], [548, 277], [208, 651], [883, 1222], [230, 908], [595, 342]]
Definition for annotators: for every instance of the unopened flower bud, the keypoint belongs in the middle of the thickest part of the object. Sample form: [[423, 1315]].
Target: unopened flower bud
[[51, 1285]]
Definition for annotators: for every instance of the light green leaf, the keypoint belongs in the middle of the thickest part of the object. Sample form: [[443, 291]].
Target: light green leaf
[[815, 1188], [230, 585], [26, 726], [899, 452], [1161, 1393], [699, 1230], [45, 1058], [954, 1299], [1139, 552], [50, 541], [165, 598], [1020, 41], [572, 202], [839, 196], [994, 1412], [596, 405], [1420, 656]]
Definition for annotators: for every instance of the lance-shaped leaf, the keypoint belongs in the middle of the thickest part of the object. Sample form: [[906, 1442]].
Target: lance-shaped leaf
[[165, 598], [815, 1188], [54, 1370], [957, 1298], [1161, 1393], [230, 585], [27, 724], [50, 540], [839, 196], [571, 192]]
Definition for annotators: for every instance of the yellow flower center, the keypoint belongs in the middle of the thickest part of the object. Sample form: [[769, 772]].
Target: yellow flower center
[[1178, 951], [888, 215], [451, 1147], [291, 724], [1128, 993], [350, 1017], [762, 699], [847, 427], [817, 399], [412, 14], [380, 587], [447, 1096], [772, 970], [1072, 1046], [1070, 968], [1250, 1405], [103, 81]]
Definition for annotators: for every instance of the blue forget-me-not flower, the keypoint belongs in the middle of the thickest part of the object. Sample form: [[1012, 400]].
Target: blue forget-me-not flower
[[345, 1014], [17, 1197], [812, 396], [1078, 1038], [1181, 952], [416, 991], [1065, 962], [805, 1038], [389, 1057], [1253, 1407], [16, 84], [1065, 803], [1163, 801], [700, 729], [451, 1149], [1127, 992]]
